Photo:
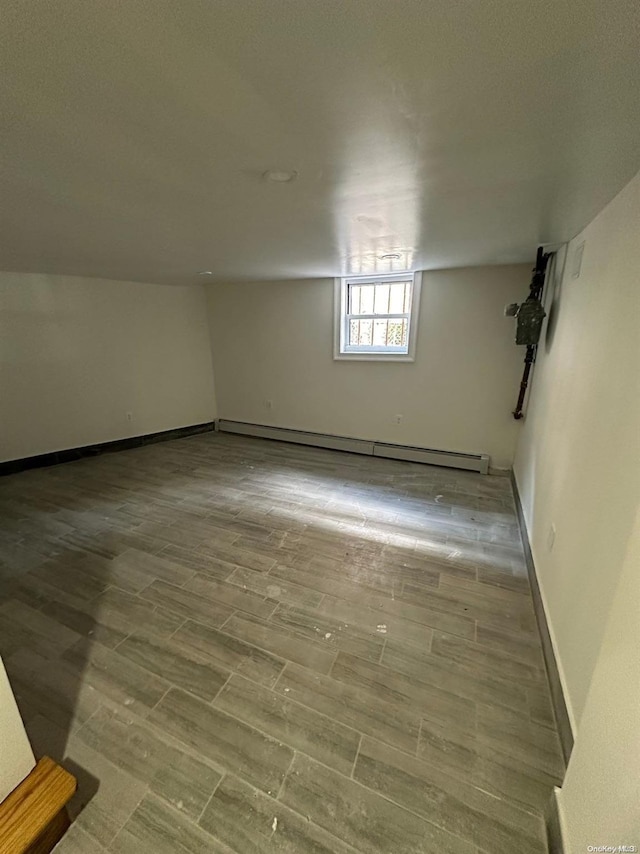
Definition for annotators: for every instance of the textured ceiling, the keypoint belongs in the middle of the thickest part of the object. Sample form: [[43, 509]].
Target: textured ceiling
[[453, 132]]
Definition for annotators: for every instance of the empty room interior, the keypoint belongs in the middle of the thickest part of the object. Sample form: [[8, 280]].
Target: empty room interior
[[320, 427]]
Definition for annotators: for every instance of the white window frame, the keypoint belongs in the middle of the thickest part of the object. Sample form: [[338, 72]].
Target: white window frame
[[341, 319]]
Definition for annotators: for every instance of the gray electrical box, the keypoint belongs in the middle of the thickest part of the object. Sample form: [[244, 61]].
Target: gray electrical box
[[529, 322]]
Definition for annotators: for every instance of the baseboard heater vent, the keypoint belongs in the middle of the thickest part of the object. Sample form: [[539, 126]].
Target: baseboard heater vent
[[450, 459]]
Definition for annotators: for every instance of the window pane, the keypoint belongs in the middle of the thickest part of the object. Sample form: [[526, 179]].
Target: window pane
[[407, 297], [360, 333], [363, 300], [381, 303], [354, 299], [397, 300], [366, 332], [397, 333], [382, 298], [380, 333], [367, 298]]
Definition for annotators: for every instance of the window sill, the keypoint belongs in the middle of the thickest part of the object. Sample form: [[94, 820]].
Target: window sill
[[373, 357]]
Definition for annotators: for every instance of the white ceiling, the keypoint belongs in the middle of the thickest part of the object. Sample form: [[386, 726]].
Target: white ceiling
[[454, 132]]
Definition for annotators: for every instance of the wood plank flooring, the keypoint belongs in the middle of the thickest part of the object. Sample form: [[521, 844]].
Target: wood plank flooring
[[243, 646]]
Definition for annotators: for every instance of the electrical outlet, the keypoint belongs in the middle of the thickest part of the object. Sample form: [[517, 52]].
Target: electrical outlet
[[268, 404], [398, 419], [551, 537], [129, 416]]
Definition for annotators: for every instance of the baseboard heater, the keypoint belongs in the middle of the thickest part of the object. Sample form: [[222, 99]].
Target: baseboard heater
[[450, 459]]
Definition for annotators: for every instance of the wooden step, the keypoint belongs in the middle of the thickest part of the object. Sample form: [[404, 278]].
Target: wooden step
[[33, 818]]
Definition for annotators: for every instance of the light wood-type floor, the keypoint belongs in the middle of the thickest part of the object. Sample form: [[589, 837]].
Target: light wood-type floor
[[245, 646]]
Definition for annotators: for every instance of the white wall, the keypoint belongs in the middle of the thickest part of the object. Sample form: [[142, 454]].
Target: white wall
[[600, 796], [577, 464], [274, 341], [76, 355], [578, 468], [16, 756]]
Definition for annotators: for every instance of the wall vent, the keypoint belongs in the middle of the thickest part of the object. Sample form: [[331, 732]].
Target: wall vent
[[429, 456]]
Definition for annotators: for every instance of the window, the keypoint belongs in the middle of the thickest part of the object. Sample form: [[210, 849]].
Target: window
[[375, 317]]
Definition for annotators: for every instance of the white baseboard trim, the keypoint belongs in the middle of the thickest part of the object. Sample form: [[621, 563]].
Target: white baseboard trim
[[556, 683], [450, 459]]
